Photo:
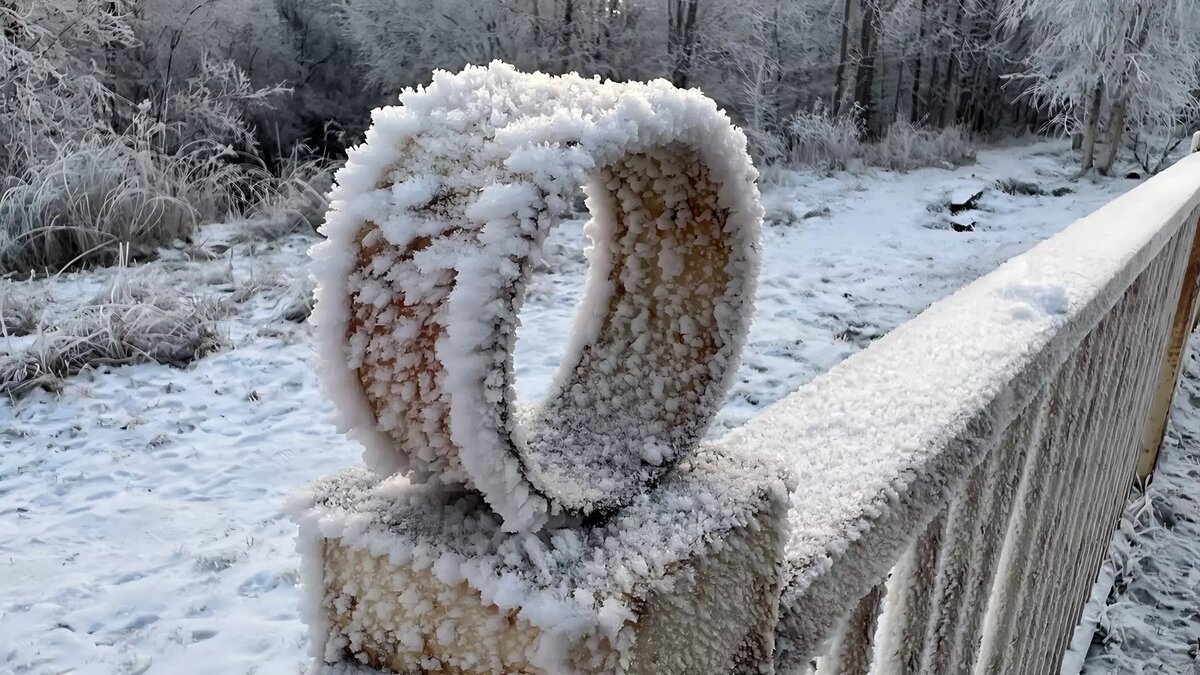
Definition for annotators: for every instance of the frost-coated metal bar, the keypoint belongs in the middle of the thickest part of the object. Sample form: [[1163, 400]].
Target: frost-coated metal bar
[[1024, 543], [982, 569], [1082, 375], [949, 592], [851, 650], [906, 612], [1098, 480], [1098, 447]]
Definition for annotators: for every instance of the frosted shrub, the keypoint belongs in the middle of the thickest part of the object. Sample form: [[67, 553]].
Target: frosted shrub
[[140, 318], [818, 139], [907, 147], [150, 185], [107, 190], [297, 302], [84, 172], [292, 198], [50, 85], [93, 196], [831, 143], [1154, 149], [214, 106], [21, 306]]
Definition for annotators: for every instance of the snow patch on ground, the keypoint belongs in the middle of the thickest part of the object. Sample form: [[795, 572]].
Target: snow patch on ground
[[140, 509]]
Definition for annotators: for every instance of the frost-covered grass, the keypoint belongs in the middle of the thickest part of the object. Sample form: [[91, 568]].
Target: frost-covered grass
[[92, 198], [111, 192], [140, 524], [823, 141], [140, 316], [21, 306], [906, 147], [93, 161], [291, 199]]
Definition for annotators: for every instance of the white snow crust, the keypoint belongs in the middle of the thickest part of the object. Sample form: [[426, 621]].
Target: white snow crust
[[434, 226], [582, 584]]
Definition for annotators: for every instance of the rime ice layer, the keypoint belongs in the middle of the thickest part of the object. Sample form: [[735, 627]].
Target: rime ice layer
[[418, 579], [434, 224]]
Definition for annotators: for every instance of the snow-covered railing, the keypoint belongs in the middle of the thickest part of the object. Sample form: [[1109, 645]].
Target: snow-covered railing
[[937, 503], [960, 480]]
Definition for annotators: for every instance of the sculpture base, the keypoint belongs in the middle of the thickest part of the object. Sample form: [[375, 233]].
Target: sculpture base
[[406, 579]]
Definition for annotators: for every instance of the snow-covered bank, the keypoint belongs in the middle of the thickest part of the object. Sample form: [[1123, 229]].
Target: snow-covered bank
[[141, 529]]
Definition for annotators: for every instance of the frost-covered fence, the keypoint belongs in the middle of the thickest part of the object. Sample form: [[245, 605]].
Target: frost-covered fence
[[960, 480], [1184, 323], [937, 503], [588, 534]]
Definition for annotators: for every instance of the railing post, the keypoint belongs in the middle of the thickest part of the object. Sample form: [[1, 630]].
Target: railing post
[[1185, 321]]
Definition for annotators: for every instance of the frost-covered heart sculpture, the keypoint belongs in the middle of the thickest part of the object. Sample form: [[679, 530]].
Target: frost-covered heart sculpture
[[434, 225]]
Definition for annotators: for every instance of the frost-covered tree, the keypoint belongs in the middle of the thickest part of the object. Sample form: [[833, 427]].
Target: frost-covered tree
[[1093, 67], [302, 44], [1102, 66], [54, 85]]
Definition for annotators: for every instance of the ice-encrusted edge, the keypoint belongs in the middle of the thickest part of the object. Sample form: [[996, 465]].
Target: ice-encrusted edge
[[551, 138]]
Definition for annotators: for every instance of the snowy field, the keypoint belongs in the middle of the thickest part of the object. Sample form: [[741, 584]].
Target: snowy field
[[141, 529]]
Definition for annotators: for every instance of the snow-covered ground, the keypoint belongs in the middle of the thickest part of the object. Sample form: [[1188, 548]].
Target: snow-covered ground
[[140, 524]]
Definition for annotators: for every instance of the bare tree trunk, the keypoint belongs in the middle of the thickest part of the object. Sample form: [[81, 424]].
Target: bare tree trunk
[[1116, 132], [681, 38], [566, 35], [879, 91], [839, 78], [1116, 116], [864, 77], [949, 99], [941, 46], [537, 32], [1091, 126], [976, 84], [915, 107]]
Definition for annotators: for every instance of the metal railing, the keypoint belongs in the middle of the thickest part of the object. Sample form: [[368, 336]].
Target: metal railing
[[961, 479]]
